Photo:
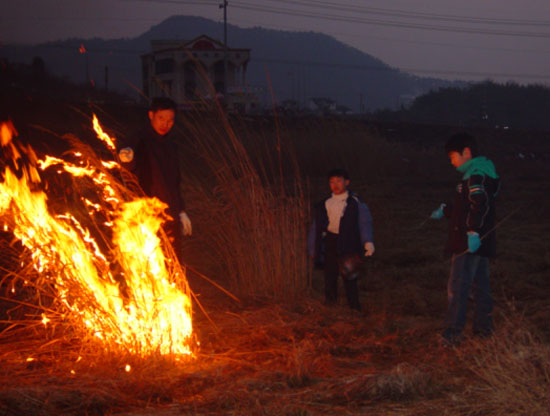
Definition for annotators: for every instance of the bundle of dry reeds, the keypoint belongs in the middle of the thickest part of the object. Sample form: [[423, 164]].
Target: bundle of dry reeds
[[72, 231], [248, 206]]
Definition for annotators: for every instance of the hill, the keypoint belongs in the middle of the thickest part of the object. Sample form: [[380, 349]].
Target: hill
[[299, 65]]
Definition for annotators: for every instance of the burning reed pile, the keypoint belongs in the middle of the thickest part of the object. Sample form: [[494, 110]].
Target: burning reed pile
[[93, 263], [92, 289]]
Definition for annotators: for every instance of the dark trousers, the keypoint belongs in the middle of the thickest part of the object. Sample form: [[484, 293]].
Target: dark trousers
[[331, 275], [469, 272], [174, 233]]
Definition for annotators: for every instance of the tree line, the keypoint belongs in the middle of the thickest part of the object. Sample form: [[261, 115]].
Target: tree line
[[485, 104]]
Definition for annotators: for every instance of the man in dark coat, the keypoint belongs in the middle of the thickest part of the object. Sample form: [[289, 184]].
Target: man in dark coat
[[153, 157], [471, 240]]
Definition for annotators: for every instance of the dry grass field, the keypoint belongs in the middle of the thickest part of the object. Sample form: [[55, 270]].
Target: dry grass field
[[275, 349]]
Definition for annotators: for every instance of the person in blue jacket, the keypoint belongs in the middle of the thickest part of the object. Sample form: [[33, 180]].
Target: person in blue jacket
[[471, 238], [341, 234]]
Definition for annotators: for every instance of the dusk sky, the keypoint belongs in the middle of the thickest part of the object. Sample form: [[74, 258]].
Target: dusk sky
[[469, 39]]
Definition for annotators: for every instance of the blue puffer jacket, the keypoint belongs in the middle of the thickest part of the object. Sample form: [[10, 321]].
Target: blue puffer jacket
[[355, 228]]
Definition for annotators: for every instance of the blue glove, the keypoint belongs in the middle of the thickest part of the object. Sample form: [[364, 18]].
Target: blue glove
[[438, 213], [474, 242]]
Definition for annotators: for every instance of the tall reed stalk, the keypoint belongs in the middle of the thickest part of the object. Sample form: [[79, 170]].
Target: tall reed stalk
[[246, 198]]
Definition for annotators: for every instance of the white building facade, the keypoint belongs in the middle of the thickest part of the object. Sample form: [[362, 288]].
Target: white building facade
[[193, 72]]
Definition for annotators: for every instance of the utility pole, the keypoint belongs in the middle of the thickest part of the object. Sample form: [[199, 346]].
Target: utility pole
[[106, 78], [87, 70], [225, 78], [84, 52]]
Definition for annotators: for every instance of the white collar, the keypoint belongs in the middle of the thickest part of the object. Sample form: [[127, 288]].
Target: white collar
[[342, 196]]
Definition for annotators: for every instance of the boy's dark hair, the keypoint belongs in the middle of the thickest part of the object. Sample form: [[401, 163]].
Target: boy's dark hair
[[340, 173], [162, 103], [459, 141]]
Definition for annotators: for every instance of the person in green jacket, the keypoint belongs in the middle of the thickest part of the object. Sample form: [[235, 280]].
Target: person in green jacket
[[471, 238]]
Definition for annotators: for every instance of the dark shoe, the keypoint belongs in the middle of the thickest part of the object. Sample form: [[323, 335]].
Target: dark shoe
[[482, 334], [449, 338], [356, 308], [445, 343]]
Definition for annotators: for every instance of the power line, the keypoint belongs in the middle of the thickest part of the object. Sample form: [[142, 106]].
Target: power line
[[178, 2], [327, 5], [393, 23], [372, 10], [382, 67], [388, 68], [419, 42], [290, 12], [81, 18], [413, 14], [279, 27], [365, 10], [348, 19]]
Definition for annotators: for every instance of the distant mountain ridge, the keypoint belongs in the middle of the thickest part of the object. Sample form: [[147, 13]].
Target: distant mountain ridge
[[295, 65]]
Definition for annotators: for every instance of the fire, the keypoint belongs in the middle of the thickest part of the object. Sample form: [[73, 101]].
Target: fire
[[127, 292]]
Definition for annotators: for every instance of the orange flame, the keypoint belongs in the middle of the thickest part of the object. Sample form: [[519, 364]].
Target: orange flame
[[143, 309], [101, 135]]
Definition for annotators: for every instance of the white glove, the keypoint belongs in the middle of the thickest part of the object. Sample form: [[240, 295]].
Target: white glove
[[369, 249], [186, 223], [126, 155]]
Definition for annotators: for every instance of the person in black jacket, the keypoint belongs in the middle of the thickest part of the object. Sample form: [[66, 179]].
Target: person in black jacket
[[153, 157], [471, 238], [341, 233]]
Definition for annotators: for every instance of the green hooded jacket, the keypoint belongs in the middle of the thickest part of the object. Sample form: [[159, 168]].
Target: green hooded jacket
[[473, 207], [478, 166]]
